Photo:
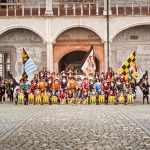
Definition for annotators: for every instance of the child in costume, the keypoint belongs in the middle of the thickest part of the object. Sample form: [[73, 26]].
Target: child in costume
[[121, 98], [98, 85], [70, 97], [38, 97], [111, 97], [78, 96], [53, 96], [101, 97], [45, 97], [85, 96], [79, 83], [93, 96], [106, 90], [16, 96], [63, 83], [85, 84], [62, 97], [20, 96], [130, 95], [31, 97]]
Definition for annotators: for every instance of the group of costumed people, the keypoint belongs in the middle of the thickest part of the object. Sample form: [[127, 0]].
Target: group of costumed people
[[73, 88]]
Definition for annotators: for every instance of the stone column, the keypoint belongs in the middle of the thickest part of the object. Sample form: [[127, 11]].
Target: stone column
[[49, 8], [105, 56], [105, 7], [50, 63]]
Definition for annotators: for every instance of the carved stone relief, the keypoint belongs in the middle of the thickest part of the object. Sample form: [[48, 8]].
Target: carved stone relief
[[78, 33]]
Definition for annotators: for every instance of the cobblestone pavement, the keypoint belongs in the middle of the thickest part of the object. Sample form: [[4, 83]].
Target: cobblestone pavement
[[74, 127]]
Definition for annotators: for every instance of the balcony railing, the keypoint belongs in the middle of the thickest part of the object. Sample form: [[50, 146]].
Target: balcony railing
[[75, 9], [20, 9], [131, 8], [78, 9]]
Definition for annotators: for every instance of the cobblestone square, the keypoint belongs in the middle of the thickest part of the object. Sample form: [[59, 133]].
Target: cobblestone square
[[74, 127]]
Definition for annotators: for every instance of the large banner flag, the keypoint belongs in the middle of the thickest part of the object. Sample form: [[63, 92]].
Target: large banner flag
[[28, 67], [129, 68], [88, 63]]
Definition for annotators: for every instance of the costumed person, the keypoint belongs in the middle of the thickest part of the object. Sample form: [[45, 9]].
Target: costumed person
[[133, 86], [71, 84], [85, 83], [62, 97], [49, 83], [31, 99], [21, 96], [45, 97], [70, 97], [111, 97], [26, 93], [53, 75], [33, 85], [91, 83], [56, 85], [145, 90], [93, 96], [121, 97], [38, 97], [3, 90], [85, 96], [101, 97], [98, 85], [122, 78], [130, 94], [63, 82], [41, 84], [25, 85], [54, 96], [112, 92], [78, 96], [10, 91], [79, 83], [105, 89], [109, 74], [16, 96], [119, 88]]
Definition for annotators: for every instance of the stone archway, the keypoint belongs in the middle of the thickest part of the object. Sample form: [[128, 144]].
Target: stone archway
[[76, 39], [137, 39], [74, 59], [14, 40]]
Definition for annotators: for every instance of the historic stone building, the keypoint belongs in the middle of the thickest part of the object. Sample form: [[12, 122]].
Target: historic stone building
[[58, 33]]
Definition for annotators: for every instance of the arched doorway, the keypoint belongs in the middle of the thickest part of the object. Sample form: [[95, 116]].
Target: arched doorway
[[137, 39], [11, 44], [73, 40], [74, 59]]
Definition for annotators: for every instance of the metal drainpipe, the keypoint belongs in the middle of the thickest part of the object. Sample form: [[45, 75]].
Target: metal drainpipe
[[107, 18]]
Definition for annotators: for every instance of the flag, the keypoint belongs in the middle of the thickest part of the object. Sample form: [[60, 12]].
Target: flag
[[28, 67], [88, 64], [129, 68], [133, 71]]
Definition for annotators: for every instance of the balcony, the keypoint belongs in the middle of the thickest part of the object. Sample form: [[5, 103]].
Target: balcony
[[75, 8]]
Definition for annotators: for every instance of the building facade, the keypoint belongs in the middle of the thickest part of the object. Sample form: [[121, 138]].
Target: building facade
[[58, 33]]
